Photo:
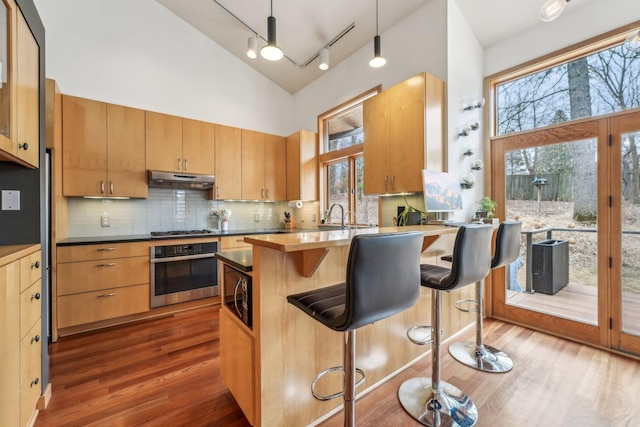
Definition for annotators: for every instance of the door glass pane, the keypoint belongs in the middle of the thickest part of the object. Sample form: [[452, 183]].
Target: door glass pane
[[338, 188], [553, 190], [631, 233], [4, 71], [366, 206]]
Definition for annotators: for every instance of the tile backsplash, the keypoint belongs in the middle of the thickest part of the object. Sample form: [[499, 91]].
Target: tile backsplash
[[178, 209]]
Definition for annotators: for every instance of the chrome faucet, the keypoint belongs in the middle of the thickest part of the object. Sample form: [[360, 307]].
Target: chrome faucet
[[341, 213], [355, 219]]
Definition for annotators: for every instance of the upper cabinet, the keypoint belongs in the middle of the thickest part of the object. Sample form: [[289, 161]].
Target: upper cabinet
[[103, 149], [302, 166], [19, 99], [228, 162], [175, 144], [263, 166], [403, 128]]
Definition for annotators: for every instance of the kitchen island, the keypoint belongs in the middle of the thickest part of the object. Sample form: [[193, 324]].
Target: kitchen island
[[269, 367]]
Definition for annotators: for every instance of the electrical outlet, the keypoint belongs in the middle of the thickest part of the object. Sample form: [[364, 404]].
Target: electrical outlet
[[104, 221], [256, 217]]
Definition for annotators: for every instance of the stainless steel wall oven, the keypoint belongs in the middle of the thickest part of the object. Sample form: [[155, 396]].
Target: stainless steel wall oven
[[183, 272]]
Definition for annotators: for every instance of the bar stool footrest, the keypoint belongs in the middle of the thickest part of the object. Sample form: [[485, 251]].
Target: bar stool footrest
[[338, 394], [474, 304], [416, 334]]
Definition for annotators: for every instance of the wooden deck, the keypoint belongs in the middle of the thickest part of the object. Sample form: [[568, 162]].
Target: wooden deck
[[578, 302]]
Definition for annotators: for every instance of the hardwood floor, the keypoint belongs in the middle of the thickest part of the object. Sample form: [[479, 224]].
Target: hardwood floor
[[165, 372], [161, 372]]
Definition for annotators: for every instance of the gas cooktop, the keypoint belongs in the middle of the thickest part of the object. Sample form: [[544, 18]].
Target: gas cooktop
[[180, 233]]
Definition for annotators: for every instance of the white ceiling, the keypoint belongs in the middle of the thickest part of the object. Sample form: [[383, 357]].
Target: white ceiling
[[304, 27]]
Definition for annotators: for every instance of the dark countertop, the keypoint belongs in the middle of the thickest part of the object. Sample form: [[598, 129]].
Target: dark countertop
[[89, 240], [240, 260]]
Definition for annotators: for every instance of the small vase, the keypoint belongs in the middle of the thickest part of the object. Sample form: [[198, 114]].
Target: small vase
[[225, 226]]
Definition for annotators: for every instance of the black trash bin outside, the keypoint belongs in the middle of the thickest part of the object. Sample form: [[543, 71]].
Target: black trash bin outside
[[550, 265]]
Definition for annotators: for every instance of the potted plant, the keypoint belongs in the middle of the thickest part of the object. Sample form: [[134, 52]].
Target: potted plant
[[487, 208], [410, 212]]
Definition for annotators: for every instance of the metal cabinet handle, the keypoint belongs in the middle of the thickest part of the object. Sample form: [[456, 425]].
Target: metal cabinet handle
[[35, 339], [24, 146], [112, 294], [102, 187], [111, 264], [35, 382], [35, 296], [179, 160], [186, 164], [106, 249], [217, 192], [393, 182], [111, 186], [35, 264], [386, 183], [267, 190]]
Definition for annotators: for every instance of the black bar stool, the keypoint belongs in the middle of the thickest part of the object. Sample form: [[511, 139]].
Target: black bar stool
[[383, 278], [429, 400], [478, 355]]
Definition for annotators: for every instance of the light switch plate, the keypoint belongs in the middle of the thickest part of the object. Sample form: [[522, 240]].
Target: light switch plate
[[10, 200]]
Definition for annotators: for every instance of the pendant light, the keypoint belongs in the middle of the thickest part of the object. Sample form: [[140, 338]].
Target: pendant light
[[252, 47], [377, 60], [324, 59], [551, 9], [632, 42], [271, 51]]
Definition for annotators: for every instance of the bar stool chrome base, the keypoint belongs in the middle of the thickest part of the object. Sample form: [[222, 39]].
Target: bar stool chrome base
[[484, 357], [451, 407]]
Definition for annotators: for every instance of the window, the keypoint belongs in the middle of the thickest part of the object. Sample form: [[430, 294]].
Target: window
[[601, 82], [342, 164]]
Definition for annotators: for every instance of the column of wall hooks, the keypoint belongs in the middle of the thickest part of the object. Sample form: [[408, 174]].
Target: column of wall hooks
[[468, 180]]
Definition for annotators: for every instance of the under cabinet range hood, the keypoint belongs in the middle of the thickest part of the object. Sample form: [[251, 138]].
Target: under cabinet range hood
[[180, 180]]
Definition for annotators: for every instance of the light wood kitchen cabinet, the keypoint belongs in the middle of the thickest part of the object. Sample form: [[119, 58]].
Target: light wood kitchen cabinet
[[19, 96], [233, 243], [103, 149], [263, 166], [176, 144], [403, 128], [302, 166], [20, 328], [237, 361], [228, 160], [101, 281]]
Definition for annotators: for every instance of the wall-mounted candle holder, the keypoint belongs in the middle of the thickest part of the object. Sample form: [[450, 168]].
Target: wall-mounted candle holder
[[464, 130], [468, 151], [469, 104], [473, 125]]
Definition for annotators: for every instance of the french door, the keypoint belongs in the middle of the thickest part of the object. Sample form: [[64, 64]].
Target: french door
[[576, 188]]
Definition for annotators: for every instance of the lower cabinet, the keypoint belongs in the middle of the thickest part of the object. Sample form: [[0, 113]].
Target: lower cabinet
[[102, 281], [236, 361], [233, 243], [21, 349]]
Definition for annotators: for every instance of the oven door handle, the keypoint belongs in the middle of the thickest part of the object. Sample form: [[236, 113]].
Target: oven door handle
[[243, 282], [182, 258]]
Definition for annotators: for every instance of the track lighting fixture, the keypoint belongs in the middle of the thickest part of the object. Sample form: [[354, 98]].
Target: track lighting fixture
[[324, 59], [271, 51], [551, 9], [252, 47], [377, 60]]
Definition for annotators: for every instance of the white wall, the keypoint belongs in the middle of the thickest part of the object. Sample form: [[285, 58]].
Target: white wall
[[464, 80], [416, 44], [139, 54], [572, 27]]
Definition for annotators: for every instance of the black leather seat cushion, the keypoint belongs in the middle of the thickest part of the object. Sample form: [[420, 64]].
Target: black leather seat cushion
[[383, 278]]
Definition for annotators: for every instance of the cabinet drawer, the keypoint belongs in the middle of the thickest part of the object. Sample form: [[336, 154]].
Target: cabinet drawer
[[30, 269], [29, 394], [87, 276], [101, 251], [233, 242], [30, 307], [30, 353], [100, 305]]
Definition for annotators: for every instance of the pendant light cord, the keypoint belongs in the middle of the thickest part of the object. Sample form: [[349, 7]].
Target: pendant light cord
[[376, 17]]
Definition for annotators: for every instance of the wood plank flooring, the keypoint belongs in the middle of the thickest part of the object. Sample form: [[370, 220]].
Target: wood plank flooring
[[165, 372]]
